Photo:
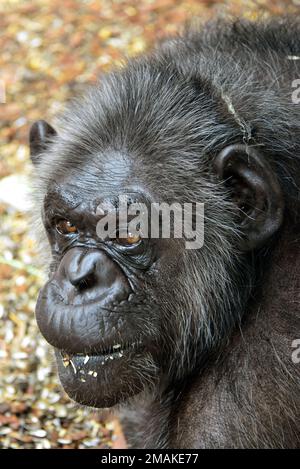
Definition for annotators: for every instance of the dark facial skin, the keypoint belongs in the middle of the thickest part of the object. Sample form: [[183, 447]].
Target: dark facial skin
[[96, 317], [198, 342]]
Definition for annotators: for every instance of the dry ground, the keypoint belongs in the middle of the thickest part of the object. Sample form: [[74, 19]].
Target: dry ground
[[48, 50]]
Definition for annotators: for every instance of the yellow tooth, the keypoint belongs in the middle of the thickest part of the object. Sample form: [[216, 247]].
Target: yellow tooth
[[73, 366], [66, 360], [86, 359]]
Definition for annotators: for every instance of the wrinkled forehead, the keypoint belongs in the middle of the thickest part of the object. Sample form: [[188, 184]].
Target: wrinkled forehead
[[102, 176], [103, 172]]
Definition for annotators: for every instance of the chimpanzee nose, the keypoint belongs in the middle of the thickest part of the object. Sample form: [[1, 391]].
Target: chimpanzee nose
[[81, 266], [74, 304], [86, 275]]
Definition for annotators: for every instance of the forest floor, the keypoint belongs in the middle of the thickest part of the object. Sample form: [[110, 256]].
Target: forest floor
[[49, 50]]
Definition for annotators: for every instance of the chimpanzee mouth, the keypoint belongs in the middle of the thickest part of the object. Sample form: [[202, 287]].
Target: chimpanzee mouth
[[104, 376], [81, 362]]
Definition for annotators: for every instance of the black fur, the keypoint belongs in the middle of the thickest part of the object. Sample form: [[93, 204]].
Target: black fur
[[172, 111]]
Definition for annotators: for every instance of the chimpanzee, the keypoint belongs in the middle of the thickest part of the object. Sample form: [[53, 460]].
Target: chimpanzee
[[194, 347]]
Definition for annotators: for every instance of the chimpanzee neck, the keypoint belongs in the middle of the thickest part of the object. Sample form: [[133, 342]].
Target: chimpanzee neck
[[281, 280]]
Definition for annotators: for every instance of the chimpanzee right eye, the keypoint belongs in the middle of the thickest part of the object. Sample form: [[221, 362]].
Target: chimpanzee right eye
[[65, 227]]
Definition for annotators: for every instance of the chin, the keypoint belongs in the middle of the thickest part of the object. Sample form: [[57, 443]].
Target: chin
[[107, 379]]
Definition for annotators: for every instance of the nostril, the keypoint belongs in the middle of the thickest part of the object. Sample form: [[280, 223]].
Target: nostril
[[80, 269], [87, 282], [83, 275], [82, 280]]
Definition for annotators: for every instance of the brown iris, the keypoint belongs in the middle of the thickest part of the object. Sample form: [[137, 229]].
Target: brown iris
[[130, 239], [65, 227]]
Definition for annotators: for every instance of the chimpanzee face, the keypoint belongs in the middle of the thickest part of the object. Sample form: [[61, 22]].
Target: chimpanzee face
[[100, 308], [132, 312]]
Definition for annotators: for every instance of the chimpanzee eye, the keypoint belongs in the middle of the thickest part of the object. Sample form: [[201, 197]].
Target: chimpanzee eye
[[130, 240], [65, 227]]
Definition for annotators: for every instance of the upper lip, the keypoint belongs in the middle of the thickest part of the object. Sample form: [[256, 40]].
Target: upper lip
[[87, 329]]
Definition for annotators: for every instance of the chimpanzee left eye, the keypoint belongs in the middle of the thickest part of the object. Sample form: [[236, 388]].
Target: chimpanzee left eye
[[65, 227], [130, 240]]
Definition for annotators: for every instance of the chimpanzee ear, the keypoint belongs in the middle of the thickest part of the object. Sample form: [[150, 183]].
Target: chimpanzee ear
[[255, 190], [39, 136]]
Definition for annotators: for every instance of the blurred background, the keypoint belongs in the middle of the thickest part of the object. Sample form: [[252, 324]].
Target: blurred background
[[49, 50]]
